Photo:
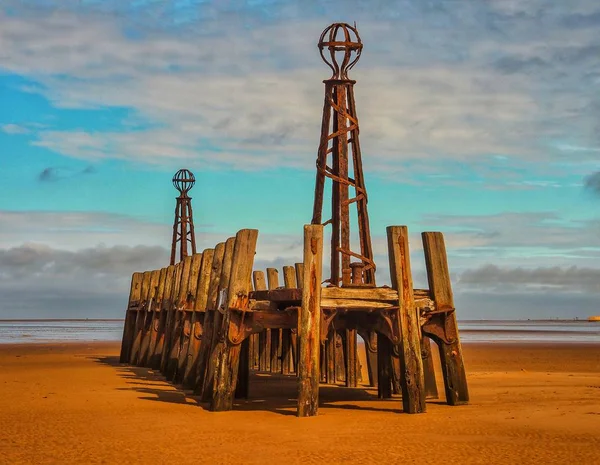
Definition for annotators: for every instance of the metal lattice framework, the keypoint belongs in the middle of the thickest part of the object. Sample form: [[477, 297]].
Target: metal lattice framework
[[340, 48], [183, 227]]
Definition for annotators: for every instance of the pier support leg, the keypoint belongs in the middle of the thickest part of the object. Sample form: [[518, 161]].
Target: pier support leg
[[413, 383], [227, 354], [453, 369], [309, 321]]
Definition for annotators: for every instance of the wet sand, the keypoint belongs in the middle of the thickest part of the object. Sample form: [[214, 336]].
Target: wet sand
[[74, 403]]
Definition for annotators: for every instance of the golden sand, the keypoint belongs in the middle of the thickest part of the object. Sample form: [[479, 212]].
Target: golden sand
[[73, 403]]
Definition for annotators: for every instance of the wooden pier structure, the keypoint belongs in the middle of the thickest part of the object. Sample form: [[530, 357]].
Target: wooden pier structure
[[209, 320]]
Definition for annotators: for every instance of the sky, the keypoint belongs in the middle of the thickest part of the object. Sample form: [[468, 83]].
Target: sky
[[478, 118]]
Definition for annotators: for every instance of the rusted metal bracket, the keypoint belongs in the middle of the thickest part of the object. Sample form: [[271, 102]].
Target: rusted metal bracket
[[388, 324], [439, 325], [327, 316]]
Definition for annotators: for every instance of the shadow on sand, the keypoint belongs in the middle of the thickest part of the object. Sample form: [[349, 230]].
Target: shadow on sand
[[268, 392]]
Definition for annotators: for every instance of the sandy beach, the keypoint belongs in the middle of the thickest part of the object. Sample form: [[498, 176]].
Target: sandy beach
[[74, 403]]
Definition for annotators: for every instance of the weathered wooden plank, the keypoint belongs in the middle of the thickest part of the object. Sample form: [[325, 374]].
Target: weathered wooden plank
[[214, 324], [140, 318], [431, 391], [413, 383], [384, 367], [292, 297], [228, 354], [177, 322], [186, 317], [299, 285], [149, 329], [299, 275], [171, 308], [309, 334], [260, 284], [197, 321], [275, 354], [381, 294], [157, 349], [130, 317], [438, 275], [330, 359], [350, 358], [352, 304], [370, 339], [287, 357], [207, 318]]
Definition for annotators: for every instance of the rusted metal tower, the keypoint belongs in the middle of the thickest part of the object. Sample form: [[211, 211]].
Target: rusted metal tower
[[340, 48], [183, 227]]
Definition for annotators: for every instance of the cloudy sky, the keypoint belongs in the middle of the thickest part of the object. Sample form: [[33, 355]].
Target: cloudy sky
[[479, 118]]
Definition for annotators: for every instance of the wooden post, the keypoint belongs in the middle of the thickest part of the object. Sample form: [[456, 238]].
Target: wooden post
[[413, 383], [350, 359], [287, 364], [438, 275], [309, 322], [263, 348], [140, 318], [186, 317], [157, 348], [211, 305], [177, 322], [300, 284], [370, 339], [200, 304], [215, 322], [153, 313], [169, 317], [384, 367], [273, 282], [330, 348], [431, 390], [299, 275], [227, 354], [130, 317]]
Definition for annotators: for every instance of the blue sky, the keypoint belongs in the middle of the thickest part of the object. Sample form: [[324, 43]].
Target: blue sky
[[480, 119]]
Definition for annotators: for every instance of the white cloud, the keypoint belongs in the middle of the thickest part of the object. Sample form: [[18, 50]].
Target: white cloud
[[14, 129], [252, 98]]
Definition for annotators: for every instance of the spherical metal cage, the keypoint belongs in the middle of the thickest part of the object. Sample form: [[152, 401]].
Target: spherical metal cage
[[344, 48], [184, 180]]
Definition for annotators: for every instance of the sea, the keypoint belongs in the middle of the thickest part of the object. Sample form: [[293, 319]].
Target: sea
[[493, 331]]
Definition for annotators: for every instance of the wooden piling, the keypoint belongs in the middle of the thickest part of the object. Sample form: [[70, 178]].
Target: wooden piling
[[130, 317], [177, 320], [287, 359], [140, 318], [260, 284], [384, 367], [413, 383], [309, 321], [438, 275], [370, 339], [227, 353], [170, 309], [200, 304], [186, 317], [207, 327], [214, 325], [273, 283], [350, 358], [431, 391], [150, 328], [157, 347]]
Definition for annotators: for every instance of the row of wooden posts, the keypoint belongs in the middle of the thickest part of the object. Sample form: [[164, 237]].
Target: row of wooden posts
[[205, 323]]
